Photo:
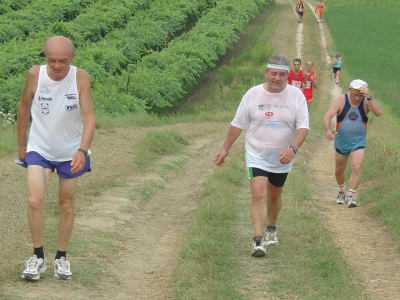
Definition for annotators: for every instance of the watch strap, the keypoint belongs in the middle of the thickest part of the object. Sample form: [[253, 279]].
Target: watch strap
[[84, 152], [295, 149]]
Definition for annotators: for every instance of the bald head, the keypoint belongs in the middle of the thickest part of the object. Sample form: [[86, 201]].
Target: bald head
[[59, 45], [59, 52]]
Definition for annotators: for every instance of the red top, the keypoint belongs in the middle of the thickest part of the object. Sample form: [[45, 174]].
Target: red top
[[308, 89], [296, 79]]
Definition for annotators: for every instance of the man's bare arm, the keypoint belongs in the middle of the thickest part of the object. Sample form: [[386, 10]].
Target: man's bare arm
[[24, 109]]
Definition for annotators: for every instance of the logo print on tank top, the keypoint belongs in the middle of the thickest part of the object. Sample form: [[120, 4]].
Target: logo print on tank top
[[71, 107], [45, 108], [71, 96], [353, 116], [44, 89]]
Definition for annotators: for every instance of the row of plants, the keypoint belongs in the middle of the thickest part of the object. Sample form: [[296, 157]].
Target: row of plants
[[37, 15], [126, 101], [162, 78], [147, 31], [89, 19], [7, 6]]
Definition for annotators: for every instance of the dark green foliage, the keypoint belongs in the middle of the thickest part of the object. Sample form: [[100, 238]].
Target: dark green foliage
[[129, 48]]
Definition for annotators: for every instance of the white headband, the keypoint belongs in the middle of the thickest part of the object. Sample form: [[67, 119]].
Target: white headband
[[275, 66]]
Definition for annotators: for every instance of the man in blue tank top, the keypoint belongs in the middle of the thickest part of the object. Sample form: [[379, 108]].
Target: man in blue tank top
[[58, 97], [351, 111]]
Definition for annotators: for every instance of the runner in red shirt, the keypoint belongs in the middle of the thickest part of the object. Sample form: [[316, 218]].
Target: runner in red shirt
[[295, 77], [310, 83]]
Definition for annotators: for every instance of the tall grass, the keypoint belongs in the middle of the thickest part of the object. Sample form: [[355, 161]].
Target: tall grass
[[368, 47]]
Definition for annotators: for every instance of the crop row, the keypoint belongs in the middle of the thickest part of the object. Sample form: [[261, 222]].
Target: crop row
[[37, 15], [146, 31], [125, 83], [7, 6], [162, 78], [89, 19]]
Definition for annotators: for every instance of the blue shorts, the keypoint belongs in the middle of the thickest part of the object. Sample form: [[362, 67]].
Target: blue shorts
[[335, 69], [63, 167], [276, 179]]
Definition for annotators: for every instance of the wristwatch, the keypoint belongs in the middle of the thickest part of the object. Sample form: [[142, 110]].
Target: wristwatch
[[369, 98], [87, 153], [295, 149]]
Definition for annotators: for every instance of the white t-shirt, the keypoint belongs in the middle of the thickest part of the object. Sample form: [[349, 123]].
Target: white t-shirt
[[56, 129], [271, 121]]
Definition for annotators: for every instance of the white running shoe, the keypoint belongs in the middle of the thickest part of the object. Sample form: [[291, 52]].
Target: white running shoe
[[271, 236], [62, 268], [350, 202], [258, 246], [341, 198], [33, 268]]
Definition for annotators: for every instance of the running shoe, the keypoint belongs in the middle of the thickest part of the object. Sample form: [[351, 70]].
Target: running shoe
[[341, 198], [271, 236], [350, 202], [62, 268], [33, 268], [258, 246]]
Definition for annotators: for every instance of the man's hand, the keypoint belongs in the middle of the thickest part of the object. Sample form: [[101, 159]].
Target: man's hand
[[219, 159], [78, 162], [329, 135], [287, 155]]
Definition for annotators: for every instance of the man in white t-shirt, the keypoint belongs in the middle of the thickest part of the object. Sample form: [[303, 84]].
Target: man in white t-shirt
[[59, 99], [275, 117]]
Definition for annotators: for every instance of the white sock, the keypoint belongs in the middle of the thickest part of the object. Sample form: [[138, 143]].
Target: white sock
[[351, 193]]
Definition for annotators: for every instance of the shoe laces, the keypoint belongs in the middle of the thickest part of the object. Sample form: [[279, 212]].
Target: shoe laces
[[63, 264], [32, 262]]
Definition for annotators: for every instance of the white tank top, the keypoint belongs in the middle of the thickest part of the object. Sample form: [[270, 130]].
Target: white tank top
[[56, 129]]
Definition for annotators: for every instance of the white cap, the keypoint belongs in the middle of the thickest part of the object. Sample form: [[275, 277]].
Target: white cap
[[357, 83]]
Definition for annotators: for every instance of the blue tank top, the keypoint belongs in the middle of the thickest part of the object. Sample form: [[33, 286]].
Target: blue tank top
[[351, 127], [338, 63]]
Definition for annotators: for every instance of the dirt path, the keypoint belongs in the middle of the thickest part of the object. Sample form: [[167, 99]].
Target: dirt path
[[153, 227]]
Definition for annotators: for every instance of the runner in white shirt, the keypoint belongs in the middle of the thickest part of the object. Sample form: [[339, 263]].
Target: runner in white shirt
[[275, 117], [58, 97]]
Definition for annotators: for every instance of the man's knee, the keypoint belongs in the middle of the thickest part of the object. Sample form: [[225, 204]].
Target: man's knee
[[258, 194], [356, 167], [35, 203], [274, 195], [66, 205]]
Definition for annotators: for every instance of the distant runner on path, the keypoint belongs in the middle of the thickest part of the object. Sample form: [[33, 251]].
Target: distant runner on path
[[295, 77], [319, 10], [351, 112], [337, 64], [300, 11], [310, 83]]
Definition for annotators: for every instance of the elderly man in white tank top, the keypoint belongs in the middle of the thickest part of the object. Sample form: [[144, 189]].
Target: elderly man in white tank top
[[58, 97]]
